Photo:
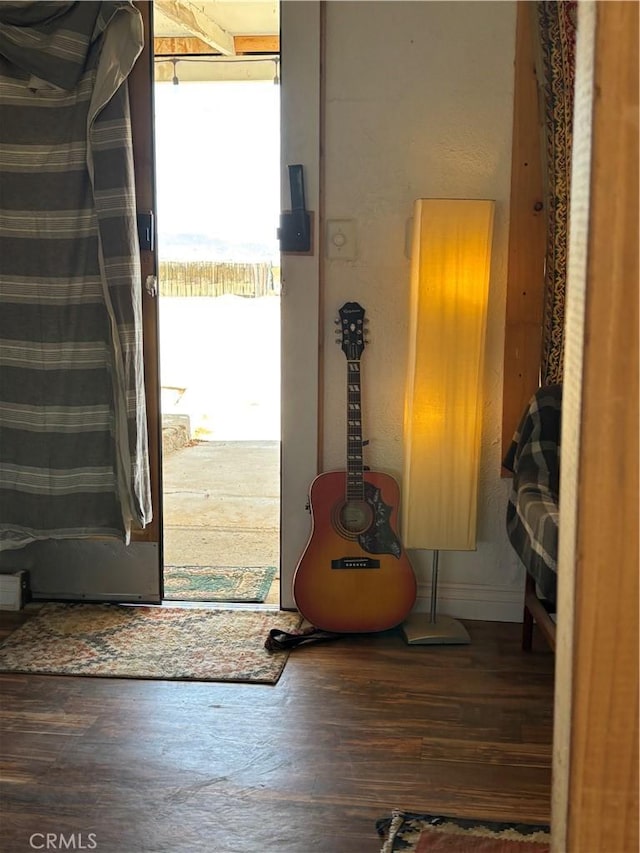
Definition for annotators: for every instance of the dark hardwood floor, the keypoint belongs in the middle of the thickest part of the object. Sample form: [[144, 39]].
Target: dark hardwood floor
[[354, 728]]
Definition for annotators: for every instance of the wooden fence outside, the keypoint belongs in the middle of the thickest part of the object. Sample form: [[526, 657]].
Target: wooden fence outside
[[215, 278]]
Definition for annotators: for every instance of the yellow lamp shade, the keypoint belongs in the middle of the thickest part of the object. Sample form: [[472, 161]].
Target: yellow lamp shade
[[450, 264]]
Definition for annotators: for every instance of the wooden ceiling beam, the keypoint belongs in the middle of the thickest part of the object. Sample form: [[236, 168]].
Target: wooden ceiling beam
[[192, 46], [189, 15], [257, 44], [180, 46]]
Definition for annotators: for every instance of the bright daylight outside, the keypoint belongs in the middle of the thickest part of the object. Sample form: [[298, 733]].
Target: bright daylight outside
[[218, 186]]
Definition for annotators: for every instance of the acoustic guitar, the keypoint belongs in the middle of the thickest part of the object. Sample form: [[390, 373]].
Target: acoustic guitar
[[354, 575]]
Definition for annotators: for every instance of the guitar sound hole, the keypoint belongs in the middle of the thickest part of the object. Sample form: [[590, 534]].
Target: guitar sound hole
[[355, 517]]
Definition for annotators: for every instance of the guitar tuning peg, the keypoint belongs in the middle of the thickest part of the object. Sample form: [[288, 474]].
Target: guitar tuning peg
[[337, 321]]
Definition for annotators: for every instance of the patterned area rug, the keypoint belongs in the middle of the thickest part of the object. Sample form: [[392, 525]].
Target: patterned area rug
[[218, 583], [422, 833], [164, 643]]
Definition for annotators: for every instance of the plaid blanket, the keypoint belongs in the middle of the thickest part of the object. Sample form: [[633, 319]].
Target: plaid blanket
[[73, 433], [532, 511]]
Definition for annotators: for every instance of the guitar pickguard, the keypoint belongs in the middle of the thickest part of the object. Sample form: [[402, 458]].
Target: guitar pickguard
[[379, 538]]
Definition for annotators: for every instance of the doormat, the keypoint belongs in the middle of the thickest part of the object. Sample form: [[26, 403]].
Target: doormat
[[218, 583], [423, 833], [162, 643]]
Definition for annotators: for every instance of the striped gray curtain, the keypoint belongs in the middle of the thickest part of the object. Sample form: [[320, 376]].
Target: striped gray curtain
[[73, 432]]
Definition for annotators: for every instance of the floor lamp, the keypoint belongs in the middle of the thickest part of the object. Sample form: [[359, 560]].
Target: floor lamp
[[450, 263]]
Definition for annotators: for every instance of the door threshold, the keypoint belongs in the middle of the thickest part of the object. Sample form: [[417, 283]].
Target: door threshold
[[222, 605]]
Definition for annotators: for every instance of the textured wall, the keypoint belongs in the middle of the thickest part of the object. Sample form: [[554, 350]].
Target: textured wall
[[418, 104]]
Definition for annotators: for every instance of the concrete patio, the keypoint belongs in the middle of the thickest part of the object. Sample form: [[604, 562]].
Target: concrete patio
[[222, 504]]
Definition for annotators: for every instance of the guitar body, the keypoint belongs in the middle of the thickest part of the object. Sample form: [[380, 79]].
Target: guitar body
[[354, 576]]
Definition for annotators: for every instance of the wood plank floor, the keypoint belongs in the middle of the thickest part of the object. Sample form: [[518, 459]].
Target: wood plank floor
[[353, 729]]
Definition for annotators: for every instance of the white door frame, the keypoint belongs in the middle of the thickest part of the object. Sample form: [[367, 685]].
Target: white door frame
[[300, 143]]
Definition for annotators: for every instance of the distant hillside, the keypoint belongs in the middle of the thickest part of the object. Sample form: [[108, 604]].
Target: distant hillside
[[203, 247]]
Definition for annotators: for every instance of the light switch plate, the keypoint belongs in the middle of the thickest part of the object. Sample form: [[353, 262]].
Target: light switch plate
[[341, 239]]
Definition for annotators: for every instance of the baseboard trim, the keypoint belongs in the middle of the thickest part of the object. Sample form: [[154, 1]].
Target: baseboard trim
[[474, 601]]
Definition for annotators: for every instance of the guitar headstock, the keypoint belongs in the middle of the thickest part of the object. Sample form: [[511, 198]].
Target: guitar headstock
[[351, 331]]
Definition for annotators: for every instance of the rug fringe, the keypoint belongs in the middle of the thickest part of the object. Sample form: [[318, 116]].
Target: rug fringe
[[393, 828], [389, 828]]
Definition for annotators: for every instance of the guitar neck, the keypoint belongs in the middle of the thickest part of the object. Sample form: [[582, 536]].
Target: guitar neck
[[355, 466]]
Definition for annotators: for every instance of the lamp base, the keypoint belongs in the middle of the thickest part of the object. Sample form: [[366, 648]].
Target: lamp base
[[419, 630]]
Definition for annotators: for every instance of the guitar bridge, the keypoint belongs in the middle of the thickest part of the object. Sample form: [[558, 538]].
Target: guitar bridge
[[355, 563]]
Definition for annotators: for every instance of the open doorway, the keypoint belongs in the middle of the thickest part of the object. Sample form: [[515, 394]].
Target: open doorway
[[218, 175]]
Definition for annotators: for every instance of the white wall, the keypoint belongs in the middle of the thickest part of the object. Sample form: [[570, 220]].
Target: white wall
[[418, 103]]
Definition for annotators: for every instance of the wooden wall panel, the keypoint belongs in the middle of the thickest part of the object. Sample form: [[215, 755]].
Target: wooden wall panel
[[603, 812], [527, 240], [595, 789]]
